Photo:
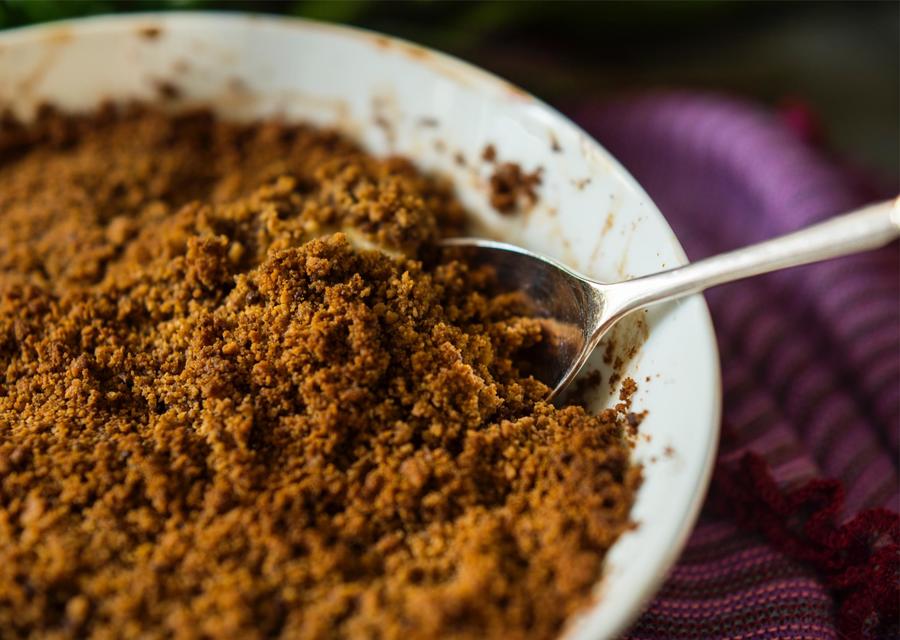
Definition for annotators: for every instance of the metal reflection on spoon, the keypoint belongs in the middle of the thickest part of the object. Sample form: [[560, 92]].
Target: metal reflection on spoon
[[577, 311]]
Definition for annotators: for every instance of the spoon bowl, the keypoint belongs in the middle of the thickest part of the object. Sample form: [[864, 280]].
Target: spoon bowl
[[566, 302]]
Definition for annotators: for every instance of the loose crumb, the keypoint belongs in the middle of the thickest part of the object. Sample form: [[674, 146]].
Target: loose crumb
[[512, 188], [629, 388], [634, 421]]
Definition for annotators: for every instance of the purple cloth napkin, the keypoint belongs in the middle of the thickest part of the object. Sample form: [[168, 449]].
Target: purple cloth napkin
[[810, 361]]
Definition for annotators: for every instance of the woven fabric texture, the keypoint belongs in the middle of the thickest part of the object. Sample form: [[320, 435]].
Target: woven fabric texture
[[799, 538]]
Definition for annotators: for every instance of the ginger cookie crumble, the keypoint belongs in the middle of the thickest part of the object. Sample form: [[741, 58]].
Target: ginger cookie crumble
[[241, 397]]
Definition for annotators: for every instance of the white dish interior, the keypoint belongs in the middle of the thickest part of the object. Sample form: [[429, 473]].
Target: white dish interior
[[397, 97]]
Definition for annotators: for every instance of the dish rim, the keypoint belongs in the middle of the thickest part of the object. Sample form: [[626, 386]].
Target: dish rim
[[496, 85]]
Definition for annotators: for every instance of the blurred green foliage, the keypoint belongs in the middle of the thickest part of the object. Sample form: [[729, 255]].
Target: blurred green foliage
[[454, 25], [481, 13]]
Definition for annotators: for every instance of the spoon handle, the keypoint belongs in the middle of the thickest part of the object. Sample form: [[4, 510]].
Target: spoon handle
[[867, 228]]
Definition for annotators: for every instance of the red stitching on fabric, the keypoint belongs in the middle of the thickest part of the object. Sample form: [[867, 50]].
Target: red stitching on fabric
[[859, 560]]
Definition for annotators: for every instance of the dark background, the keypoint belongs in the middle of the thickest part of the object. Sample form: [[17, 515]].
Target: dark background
[[835, 65]]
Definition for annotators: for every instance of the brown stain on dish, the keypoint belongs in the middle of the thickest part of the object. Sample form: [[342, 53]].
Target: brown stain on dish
[[181, 66], [55, 42], [609, 350], [428, 122], [516, 92], [152, 32], [446, 68], [385, 113], [608, 223], [599, 244], [237, 85], [555, 147], [622, 345], [167, 90], [459, 159], [59, 36], [595, 158], [408, 49], [618, 365], [413, 51], [581, 183], [386, 127]]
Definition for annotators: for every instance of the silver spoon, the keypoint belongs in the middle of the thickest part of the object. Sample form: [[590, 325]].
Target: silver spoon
[[578, 310]]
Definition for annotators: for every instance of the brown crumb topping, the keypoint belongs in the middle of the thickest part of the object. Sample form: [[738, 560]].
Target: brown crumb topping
[[221, 416], [513, 189]]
